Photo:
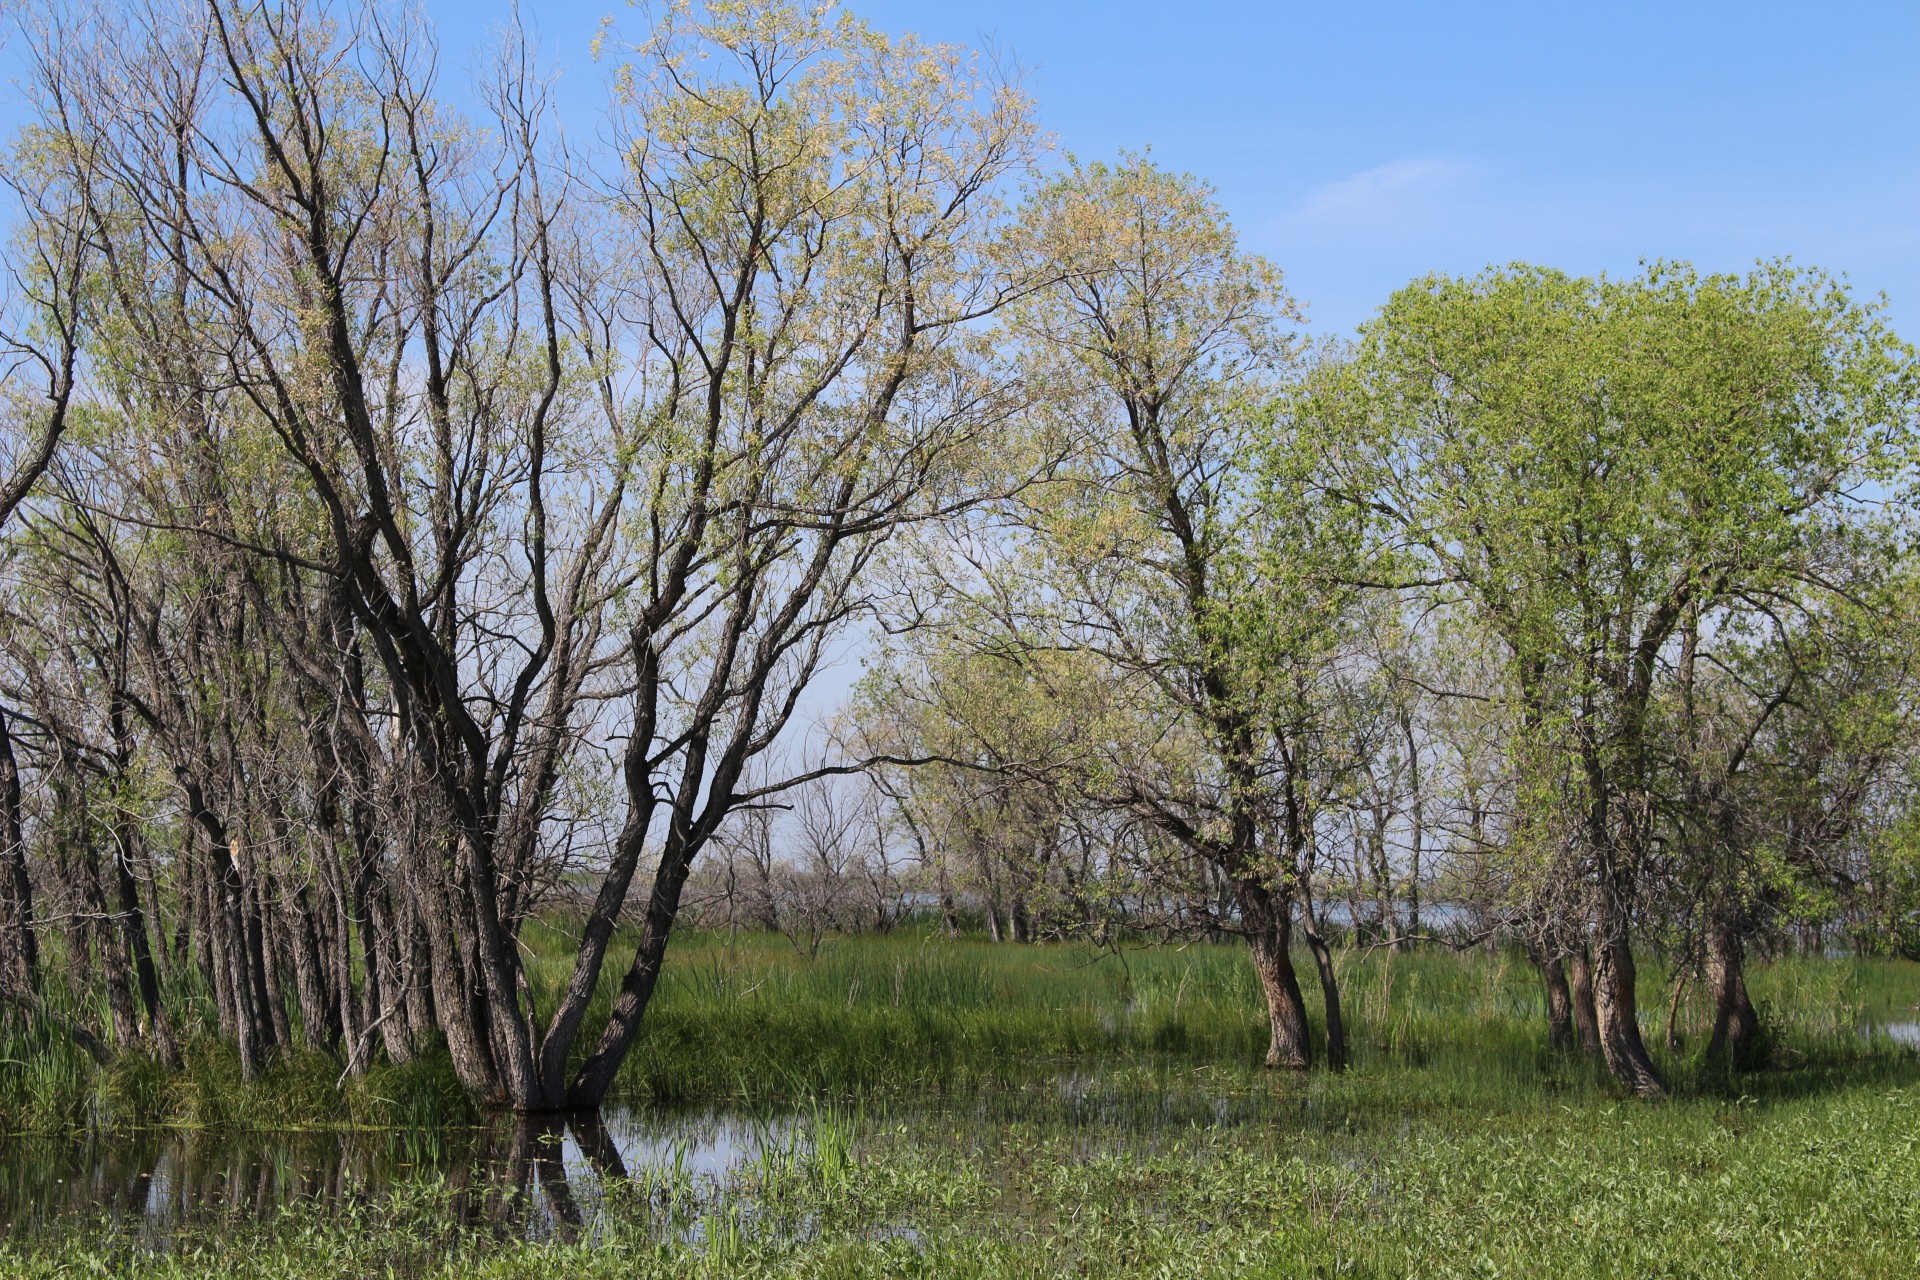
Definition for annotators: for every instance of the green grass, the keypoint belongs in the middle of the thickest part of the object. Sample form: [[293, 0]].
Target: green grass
[[968, 1109], [1823, 1185], [747, 1019], [49, 1085]]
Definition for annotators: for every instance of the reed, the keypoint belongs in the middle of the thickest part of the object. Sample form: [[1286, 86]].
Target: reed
[[747, 1019]]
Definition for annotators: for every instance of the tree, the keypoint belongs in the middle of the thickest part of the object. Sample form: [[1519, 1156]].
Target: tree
[[1591, 464], [811, 224], [44, 324], [1185, 550], [539, 448]]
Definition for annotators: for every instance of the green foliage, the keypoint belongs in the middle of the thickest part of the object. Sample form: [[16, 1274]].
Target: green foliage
[[48, 1085]]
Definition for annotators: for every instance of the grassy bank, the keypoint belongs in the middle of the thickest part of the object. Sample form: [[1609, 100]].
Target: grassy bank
[[746, 1019]]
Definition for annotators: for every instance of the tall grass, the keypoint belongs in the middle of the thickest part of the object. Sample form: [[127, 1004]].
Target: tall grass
[[747, 1018], [49, 1085]]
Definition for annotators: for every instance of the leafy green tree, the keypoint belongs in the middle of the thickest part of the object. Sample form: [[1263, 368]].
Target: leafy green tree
[[1593, 465], [1183, 545]]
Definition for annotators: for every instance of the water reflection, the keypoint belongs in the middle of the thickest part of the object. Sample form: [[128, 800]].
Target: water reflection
[[559, 1176], [1906, 1033], [534, 1176]]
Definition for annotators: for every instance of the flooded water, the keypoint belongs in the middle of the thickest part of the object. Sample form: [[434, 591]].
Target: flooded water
[[538, 1176], [583, 1176], [1906, 1033], [523, 1176]]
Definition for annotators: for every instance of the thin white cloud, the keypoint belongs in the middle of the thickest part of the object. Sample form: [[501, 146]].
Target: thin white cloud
[[1383, 190]]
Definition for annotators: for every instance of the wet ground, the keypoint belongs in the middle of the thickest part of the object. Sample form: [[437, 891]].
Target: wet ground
[[545, 1176], [523, 1175], [539, 1176]]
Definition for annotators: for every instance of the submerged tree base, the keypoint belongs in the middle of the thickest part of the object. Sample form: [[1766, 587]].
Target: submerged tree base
[[1119, 1181]]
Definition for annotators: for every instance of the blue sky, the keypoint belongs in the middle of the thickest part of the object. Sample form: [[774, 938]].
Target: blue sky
[[1362, 144]]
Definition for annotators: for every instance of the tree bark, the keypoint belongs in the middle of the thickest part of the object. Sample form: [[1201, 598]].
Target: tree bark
[[19, 948], [595, 1077], [1329, 982], [108, 936], [1269, 925], [1553, 973], [1586, 1020], [1616, 1003], [320, 1022], [133, 931], [1736, 1024]]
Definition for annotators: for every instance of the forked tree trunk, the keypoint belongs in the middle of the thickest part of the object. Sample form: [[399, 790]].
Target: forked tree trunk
[[1616, 1002], [1269, 925], [590, 1085], [1736, 1024], [134, 916]]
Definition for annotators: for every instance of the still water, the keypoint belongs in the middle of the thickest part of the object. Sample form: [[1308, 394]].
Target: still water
[[543, 1176], [522, 1176], [559, 1176]]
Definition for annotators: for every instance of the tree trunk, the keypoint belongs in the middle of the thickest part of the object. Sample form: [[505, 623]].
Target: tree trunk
[[1329, 982], [107, 933], [320, 1023], [595, 1077], [1736, 1024], [1553, 972], [20, 965], [418, 981], [229, 946], [948, 911], [263, 950], [451, 982], [133, 930], [1586, 1020], [384, 1003], [1616, 1003], [1417, 835], [1269, 925], [129, 843]]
